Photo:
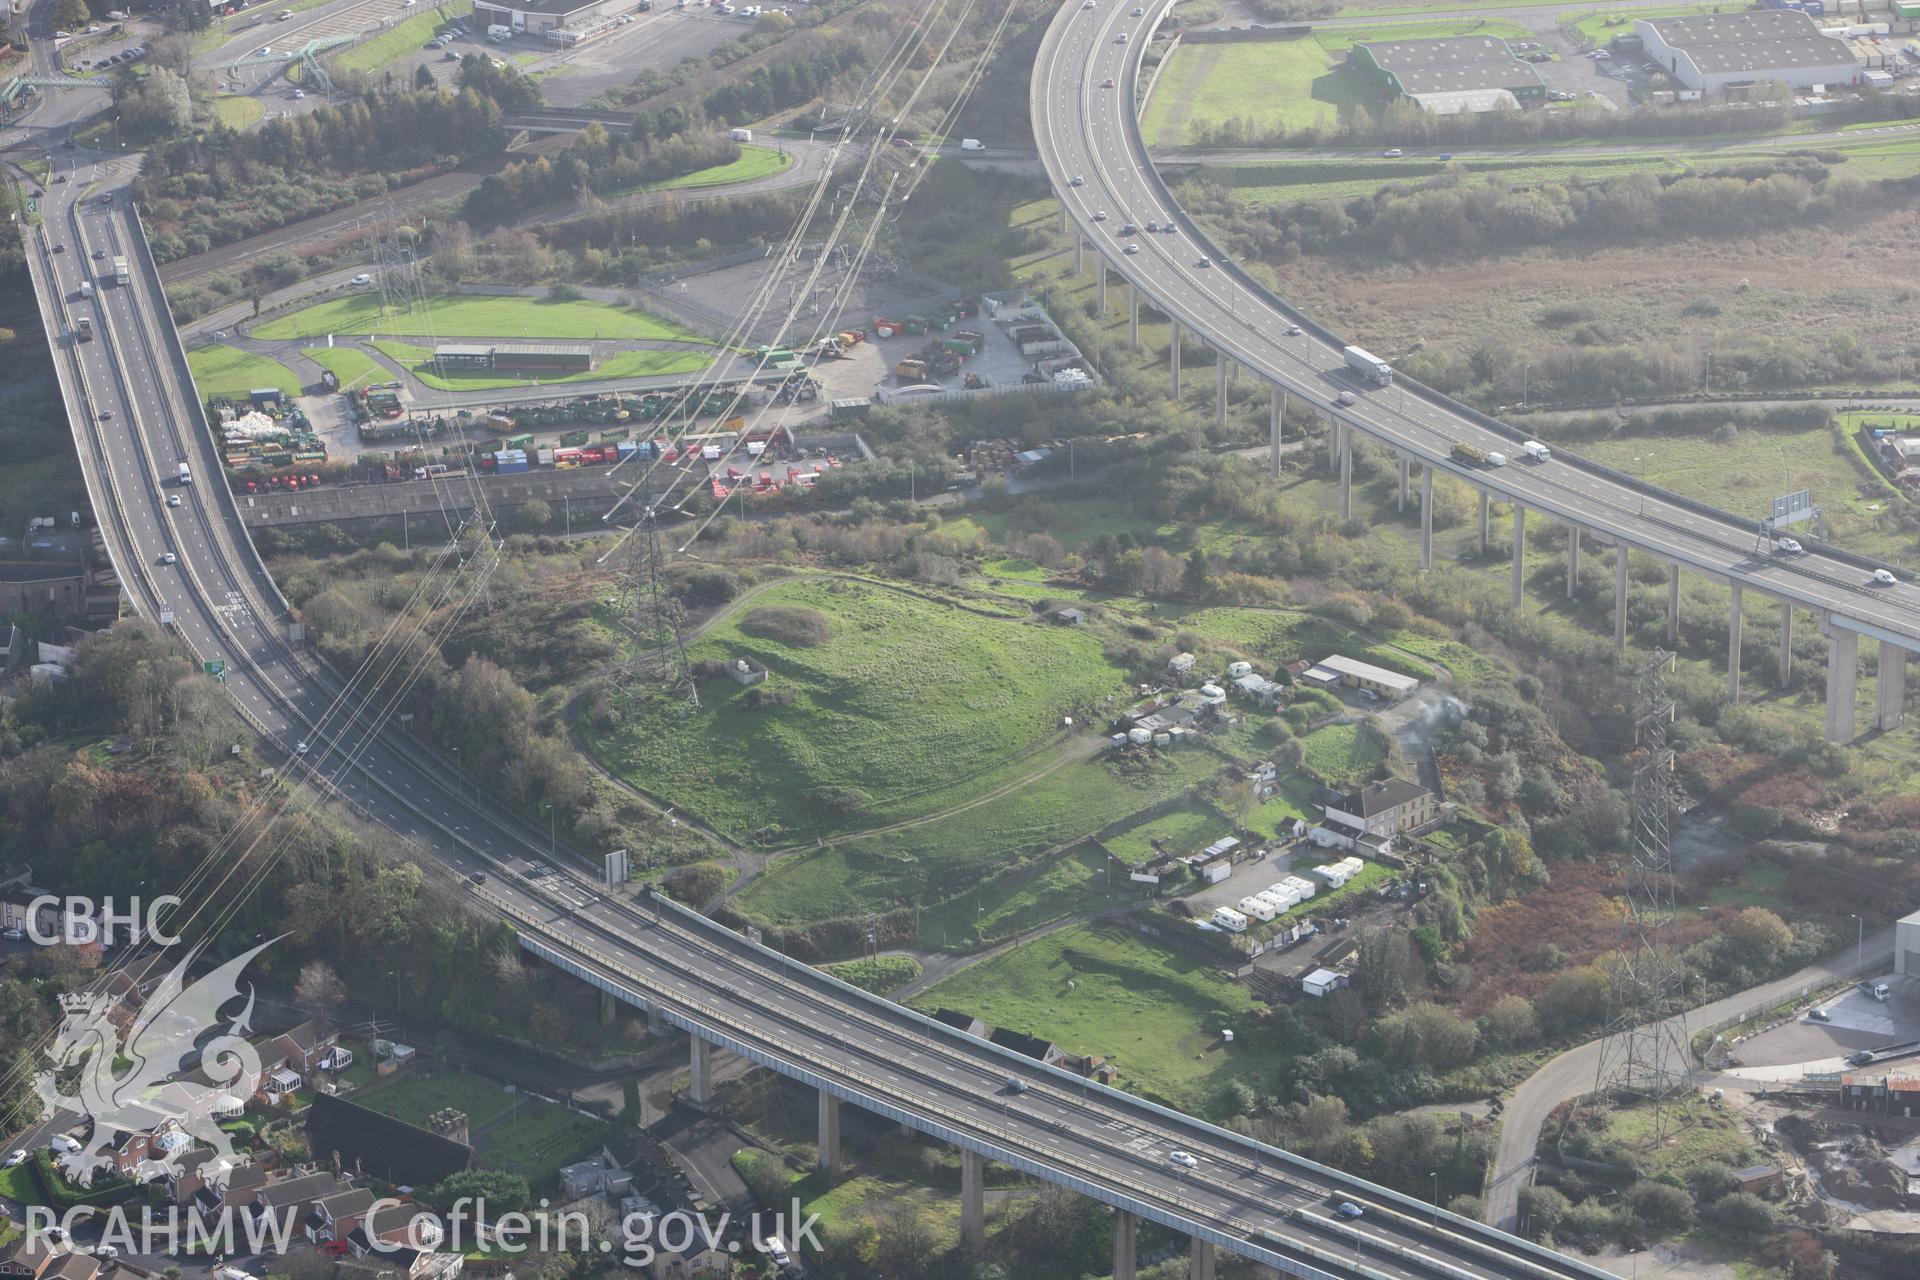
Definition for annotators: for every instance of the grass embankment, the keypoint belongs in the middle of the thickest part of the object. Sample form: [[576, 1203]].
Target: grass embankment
[[476, 316], [397, 41], [237, 112], [755, 162], [878, 974], [883, 705], [229, 371], [1159, 1014]]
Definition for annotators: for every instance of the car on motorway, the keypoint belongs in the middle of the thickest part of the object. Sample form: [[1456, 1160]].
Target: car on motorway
[[167, 557], [1016, 1085], [1128, 230], [1393, 153], [59, 177], [1107, 83], [1185, 1159], [1138, 12], [1099, 215], [1076, 181], [1152, 227], [1884, 578], [1133, 248], [1348, 1209], [1204, 262], [1121, 38], [1293, 331], [99, 254], [59, 248], [106, 415], [173, 499], [1787, 547], [299, 748], [1344, 398]]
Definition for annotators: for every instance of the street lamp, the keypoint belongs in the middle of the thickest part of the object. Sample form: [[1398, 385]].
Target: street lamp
[[1860, 945], [1436, 1197]]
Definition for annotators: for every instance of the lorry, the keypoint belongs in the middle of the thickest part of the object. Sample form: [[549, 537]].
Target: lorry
[[1369, 366], [1464, 452], [911, 369], [1537, 451], [120, 273]]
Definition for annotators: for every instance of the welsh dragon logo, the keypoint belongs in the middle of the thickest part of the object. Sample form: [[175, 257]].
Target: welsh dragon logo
[[118, 1079]]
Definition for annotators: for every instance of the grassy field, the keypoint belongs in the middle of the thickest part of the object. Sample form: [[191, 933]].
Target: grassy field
[[351, 365], [476, 316], [1188, 829], [538, 1139], [932, 862], [1080, 880], [879, 974], [1292, 181], [909, 704], [1158, 1013], [415, 1098], [1269, 82], [396, 42], [1280, 635], [621, 364], [229, 371], [238, 112], [1339, 754], [754, 163]]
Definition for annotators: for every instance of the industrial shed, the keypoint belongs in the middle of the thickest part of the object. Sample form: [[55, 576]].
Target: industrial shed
[[1906, 945], [537, 16], [1455, 73], [1713, 52]]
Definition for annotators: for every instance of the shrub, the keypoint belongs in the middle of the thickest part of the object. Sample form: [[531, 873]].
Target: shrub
[[794, 627], [697, 885], [1742, 1214]]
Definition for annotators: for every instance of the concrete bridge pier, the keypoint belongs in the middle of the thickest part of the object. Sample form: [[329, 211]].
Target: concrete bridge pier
[[1125, 1228], [1673, 606], [1786, 642], [1276, 428], [1100, 285], [1200, 1266], [1483, 522], [1333, 444], [1843, 674], [1079, 253], [1426, 518], [1173, 352], [1063, 212], [1406, 473], [1573, 561], [1219, 389], [1346, 472], [1519, 552], [1133, 317], [973, 1201], [828, 1158], [1733, 647], [1620, 597], [700, 1072], [1890, 702]]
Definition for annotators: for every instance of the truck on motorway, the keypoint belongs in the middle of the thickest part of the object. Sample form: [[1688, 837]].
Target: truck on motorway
[[186, 474], [120, 273], [1464, 452], [83, 328], [1537, 451], [1369, 366]]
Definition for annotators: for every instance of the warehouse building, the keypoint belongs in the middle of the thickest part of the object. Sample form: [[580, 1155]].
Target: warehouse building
[[1449, 75], [537, 16], [1713, 53], [1906, 946], [515, 357]]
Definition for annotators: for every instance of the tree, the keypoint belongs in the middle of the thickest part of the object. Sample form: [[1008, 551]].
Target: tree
[[72, 15], [1386, 968], [1322, 1123], [1196, 581], [423, 77], [1742, 1214], [1576, 1000], [159, 106], [1760, 935], [1662, 1208], [319, 989], [1542, 1209], [500, 1191], [1510, 1023]]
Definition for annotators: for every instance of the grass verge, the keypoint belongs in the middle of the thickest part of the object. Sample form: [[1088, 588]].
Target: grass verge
[[228, 371], [476, 316]]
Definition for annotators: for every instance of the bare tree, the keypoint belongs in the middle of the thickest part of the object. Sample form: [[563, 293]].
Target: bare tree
[[319, 989]]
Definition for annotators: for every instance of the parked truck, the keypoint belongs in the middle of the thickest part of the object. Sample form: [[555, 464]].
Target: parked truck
[[1369, 366]]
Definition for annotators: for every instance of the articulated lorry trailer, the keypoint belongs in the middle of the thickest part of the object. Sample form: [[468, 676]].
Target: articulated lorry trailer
[[1369, 366]]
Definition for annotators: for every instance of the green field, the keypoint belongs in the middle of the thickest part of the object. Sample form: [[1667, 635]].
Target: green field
[[621, 364], [1292, 181], [229, 371], [475, 316], [1079, 880], [754, 163], [934, 862], [1268, 82], [238, 112], [1272, 636], [878, 974], [1188, 829], [351, 365], [908, 704], [1340, 755], [415, 1098], [1158, 1013], [398, 41]]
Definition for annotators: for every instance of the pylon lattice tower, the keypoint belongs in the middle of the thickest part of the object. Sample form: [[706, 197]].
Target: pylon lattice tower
[[1645, 1052], [658, 650]]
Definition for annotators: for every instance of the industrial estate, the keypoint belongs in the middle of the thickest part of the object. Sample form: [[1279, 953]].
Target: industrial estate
[[916, 639]]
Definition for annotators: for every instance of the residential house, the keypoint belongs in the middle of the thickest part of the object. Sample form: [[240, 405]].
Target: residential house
[[25, 1258], [1372, 815], [335, 1217], [292, 1199], [699, 1264], [224, 1181], [1180, 666], [1030, 1046], [394, 1226], [1760, 1179], [17, 876], [1259, 690], [73, 1266], [17, 902], [305, 1045], [961, 1022], [381, 1146], [597, 1176]]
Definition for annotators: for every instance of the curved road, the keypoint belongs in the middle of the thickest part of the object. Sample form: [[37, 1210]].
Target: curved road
[[1085, 128]]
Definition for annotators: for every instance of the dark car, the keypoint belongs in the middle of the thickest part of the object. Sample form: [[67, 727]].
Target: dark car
[[1860, 1059], [1819, 1015]]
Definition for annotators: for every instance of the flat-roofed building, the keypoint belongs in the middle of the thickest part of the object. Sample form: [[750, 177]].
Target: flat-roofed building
[[1451, 74], [1712, 52]]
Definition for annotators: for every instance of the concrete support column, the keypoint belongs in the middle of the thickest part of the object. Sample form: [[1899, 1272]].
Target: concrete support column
[[1219, 389], [1426, 518], [1174, 353], [1133, 317], [1519, 552], [1201, 1265], [1673, 606], [1406, 473], [828, 1158], [1333, 444], [1843, 670], [1620, 597], [1890, 702], [1483, 522], [1063, 213], [1733, 647], [1573, 562], [700, 1071], [973, 1201], [1276, 428], [1079, 252], [1124, 1228], [607, 1009], [1786, 642], [1346, 473]]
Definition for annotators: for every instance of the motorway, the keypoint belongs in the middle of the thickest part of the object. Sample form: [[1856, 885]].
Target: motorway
[[1088, 133], [135, 417]]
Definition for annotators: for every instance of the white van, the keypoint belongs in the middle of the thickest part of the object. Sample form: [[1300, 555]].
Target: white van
[[1537, 451], [972, 144], [1496, 459], [740, 135], [86, 288]]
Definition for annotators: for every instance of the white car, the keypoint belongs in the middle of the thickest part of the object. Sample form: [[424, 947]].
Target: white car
[[1076, 181], [1099, 215], [1185, 1159], [1601, 55], [16, 1158], [1344, 398], [1293, 331], [167, 557], [1133, 248], [774, 1249], [362, 278], [1884, 578], [1393, 153], [300, 749], [173, 499], [1787, 547]]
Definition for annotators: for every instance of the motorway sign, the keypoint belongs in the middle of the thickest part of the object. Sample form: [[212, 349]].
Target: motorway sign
[[217, 668], [1791, 509]]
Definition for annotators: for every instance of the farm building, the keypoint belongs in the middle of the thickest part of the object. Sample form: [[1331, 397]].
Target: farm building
[[1712, 52], [537, 16], [517, 357], [1334, 670], [1450, 75]]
